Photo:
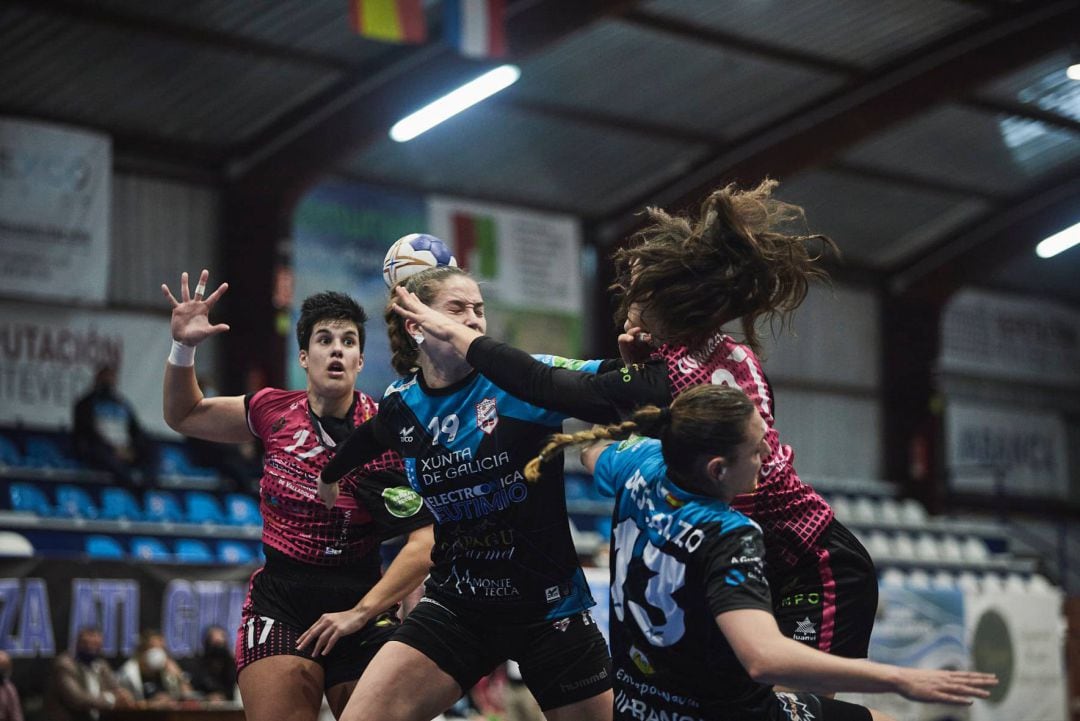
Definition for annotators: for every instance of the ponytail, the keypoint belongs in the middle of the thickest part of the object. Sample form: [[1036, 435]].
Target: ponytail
[[705, 419]]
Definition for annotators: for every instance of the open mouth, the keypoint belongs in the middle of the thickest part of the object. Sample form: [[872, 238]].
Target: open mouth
[[336, 369]]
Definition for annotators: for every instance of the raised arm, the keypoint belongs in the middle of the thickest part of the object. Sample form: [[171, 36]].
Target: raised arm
[[594, 397], [187, 411], [772, 658]]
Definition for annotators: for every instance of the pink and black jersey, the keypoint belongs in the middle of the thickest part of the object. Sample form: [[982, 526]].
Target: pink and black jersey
[[375, 503], [791, 514]]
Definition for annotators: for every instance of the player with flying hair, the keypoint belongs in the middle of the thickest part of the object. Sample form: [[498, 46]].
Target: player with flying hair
[[680, 281]]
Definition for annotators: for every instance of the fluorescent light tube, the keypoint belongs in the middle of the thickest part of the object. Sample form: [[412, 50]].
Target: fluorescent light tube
[[1058, 242], [454, 102]]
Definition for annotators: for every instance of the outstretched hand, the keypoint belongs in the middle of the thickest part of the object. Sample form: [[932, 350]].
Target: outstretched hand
[[190, 322], [955, 687], [431, 321]]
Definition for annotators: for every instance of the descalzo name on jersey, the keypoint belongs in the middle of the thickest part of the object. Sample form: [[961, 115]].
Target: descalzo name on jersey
[[667, 526]]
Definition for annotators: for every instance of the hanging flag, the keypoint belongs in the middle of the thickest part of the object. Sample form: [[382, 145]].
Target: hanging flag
[[394, 21], [473, 239], [477, 28]]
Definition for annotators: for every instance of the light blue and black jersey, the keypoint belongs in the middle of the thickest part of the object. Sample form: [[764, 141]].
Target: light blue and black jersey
[[678, 560], [500, 542]]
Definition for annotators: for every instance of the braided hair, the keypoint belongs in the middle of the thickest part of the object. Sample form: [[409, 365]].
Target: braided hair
[[707, 419]]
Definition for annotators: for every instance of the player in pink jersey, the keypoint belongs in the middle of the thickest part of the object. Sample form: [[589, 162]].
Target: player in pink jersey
[[304, 633], [679, 284]]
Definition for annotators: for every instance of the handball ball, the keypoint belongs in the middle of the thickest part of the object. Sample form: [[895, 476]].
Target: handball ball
[[413, 253]]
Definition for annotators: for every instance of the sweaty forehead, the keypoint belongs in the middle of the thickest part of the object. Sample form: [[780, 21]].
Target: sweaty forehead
[[334, 326]]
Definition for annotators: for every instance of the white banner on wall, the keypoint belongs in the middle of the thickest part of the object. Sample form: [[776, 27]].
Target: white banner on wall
[[528, 264], [1000, 336], [54, 212], [1017, 451], [48, 357], [1019, 637]]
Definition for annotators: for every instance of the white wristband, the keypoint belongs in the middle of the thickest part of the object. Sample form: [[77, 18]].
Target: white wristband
[[182, 355]]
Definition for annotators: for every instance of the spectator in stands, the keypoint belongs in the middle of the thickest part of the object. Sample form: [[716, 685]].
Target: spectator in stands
[[10, 706], [107, 435], [152, 676], [213, 674], [82, 684]]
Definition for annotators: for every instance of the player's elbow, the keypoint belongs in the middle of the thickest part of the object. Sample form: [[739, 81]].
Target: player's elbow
[[760, 670], [174, 419], [762, 666]]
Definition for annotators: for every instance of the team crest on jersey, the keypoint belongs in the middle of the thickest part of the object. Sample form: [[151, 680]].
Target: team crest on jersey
[[278, 425], [794, 708], [487, 415], [406, 434]]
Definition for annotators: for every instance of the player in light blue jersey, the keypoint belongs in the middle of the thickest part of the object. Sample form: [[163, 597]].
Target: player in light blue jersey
[[693, 637]]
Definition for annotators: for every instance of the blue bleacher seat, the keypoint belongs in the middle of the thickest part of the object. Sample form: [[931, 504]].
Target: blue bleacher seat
[[117, 504], [148, 548], [576, 487], [27, 497], [103, 547], [10, 455], [242, 510], [234, 552], [190, 550], [45, 452], [162, 506], [203, 507], [74, 502], [173, 461]]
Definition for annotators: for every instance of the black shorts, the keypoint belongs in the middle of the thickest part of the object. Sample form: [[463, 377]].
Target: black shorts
[[283, 603], [807, 706], [830, 599], [634, 702], [562, 661]]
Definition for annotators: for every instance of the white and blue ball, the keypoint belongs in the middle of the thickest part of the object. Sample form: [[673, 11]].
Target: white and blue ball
[[413, 253]]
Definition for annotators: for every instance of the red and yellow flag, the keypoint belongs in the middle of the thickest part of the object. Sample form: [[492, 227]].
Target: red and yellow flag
[[395, 21]]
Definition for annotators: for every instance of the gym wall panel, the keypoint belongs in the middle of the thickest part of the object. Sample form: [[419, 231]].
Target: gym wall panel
[[160, 228], [836, 340], [833, 435]]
